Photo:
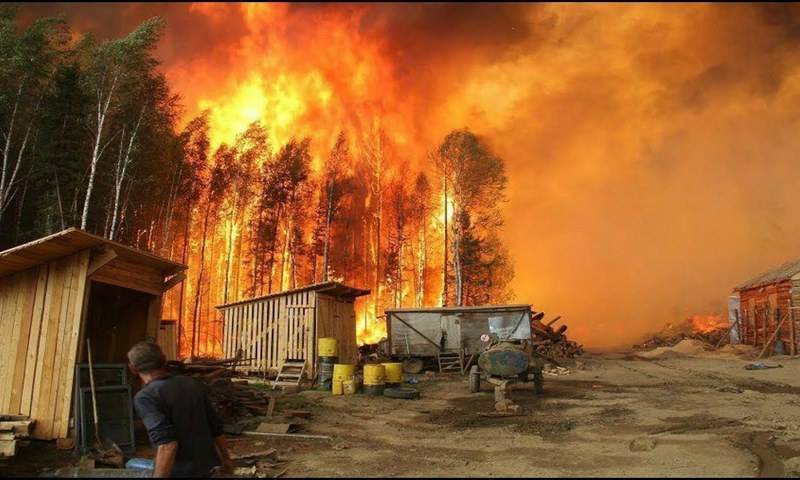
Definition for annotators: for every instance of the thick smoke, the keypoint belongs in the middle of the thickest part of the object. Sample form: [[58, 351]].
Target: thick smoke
[[651, 149]]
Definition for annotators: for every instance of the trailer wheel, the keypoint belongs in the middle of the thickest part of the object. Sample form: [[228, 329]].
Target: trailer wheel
[[474, 380], [413, 365]]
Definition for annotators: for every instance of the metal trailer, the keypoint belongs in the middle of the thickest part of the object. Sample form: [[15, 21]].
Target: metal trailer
[[447, 338]]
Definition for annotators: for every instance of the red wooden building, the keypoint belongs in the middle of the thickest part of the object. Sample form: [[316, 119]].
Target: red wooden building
[[770, 302]]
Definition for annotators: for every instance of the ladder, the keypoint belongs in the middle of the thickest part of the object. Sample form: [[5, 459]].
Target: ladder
[[290, 374], [450, 362]]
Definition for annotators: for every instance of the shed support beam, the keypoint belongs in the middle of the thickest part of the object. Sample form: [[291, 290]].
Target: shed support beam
[[176, 279], [100, 260]]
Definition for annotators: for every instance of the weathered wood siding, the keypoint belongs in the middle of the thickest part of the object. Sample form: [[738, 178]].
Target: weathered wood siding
[[40, 316], [762, 309], [168, 339], [272, 330], [337, 318]]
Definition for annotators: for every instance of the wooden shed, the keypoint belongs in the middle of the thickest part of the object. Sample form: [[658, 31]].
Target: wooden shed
[[56, 292], [767, 309], [286, 325]]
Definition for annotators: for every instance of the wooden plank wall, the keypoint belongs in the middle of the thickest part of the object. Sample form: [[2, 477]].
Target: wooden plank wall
[[271, 330], [336, 318], [758, 308], [40, 313], [168, 340]]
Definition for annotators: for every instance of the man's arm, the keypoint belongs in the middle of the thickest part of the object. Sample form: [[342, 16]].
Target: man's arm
[[165, 459], [161, 432], [224, 454]]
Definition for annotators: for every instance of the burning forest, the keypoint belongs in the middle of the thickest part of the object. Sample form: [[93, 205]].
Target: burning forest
[[288, 239], [280, 183]]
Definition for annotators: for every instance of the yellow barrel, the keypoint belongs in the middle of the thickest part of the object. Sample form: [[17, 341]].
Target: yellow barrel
[[394, 373], [336, 387], [343, 371], [328, 347], [374, 374]]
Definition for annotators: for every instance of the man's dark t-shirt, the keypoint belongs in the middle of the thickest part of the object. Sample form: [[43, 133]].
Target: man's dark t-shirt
[[176, 408]]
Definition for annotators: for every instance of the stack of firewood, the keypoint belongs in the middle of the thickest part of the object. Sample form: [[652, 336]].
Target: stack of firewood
[[232, 399], [551, 342], [12, 429]]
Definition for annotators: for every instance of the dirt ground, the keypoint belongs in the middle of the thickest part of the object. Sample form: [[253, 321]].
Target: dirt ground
[[615, 415]]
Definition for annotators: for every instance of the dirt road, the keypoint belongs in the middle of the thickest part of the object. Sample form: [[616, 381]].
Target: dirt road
[[616, 416]]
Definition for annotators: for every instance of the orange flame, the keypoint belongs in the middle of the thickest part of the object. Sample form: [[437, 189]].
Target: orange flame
[[707, 323]]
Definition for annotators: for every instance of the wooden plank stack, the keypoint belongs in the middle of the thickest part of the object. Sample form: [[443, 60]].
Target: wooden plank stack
[[13, 428]]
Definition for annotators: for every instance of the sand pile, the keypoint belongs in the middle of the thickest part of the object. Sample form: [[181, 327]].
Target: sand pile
[[684, 348]]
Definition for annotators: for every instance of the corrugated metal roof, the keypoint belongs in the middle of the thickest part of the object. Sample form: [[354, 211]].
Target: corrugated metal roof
[[779, 274], [333, 288], [73, 240]]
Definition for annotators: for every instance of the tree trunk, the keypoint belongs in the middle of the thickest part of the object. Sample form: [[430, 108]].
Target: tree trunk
[[97, 151]]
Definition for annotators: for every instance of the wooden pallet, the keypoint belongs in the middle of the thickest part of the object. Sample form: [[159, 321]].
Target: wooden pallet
[[290, 374]]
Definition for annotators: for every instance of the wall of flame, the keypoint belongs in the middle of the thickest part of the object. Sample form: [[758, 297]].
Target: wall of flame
[[651, 149]]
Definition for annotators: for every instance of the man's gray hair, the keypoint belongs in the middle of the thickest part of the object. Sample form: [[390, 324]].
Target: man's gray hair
[[146, 357]]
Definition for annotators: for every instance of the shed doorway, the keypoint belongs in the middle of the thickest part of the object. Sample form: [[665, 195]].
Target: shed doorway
[[116, 320]]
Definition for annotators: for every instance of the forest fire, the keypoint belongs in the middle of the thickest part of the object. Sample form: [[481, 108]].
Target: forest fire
[[708, 323], [385, 77], [357, 201]]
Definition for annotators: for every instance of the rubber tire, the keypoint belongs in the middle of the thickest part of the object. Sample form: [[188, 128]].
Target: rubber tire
[[402, 393], [474, 382], [413, 365]]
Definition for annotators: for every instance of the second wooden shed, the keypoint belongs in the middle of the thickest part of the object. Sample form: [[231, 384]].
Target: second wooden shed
[[287, 325], [768, 305]]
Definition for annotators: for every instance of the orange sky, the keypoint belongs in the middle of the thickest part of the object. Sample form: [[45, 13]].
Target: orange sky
[[650, 148]]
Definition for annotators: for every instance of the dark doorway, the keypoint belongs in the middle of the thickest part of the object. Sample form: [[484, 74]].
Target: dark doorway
[[116, 320]]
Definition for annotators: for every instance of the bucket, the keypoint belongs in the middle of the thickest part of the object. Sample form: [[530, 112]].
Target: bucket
[[326, 365], [349, 387], [374, 374], [336, 387], [328, 347], [394, 374], [343, 371]]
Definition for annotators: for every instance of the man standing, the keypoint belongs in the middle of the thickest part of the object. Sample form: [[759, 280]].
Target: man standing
[[179, 418]]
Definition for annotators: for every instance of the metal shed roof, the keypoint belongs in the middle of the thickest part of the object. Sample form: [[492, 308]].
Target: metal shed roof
[[73, 240], [335, 289], [779, 274]]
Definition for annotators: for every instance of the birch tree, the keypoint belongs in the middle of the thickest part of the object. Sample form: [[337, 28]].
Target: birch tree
[[111, 68], [476, 179], [27, 63]]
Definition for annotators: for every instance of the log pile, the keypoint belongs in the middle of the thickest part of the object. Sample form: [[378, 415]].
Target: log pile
[[231, 399], [671, 335], [552, 342], [12, 429]]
